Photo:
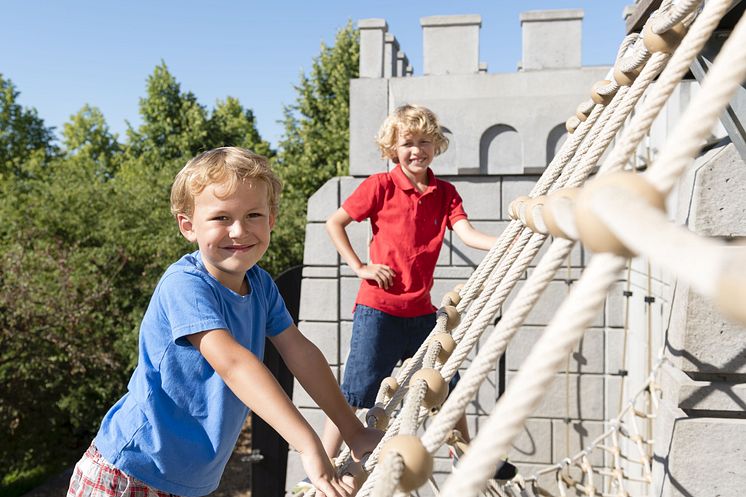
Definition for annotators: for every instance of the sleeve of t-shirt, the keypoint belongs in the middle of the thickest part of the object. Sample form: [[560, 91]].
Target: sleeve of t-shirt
[[361, 204], [278, 316], [456, 210], [189, 304]]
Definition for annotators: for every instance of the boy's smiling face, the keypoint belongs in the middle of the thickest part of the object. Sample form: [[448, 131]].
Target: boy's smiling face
[[232, 231], [415, 152]]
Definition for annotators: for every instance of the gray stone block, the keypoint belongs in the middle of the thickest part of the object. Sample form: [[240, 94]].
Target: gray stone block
[[481, 196], [580, 435], [450, 44], [348, 288], [614, 351], [615, 304], [345, 333], [368, 109], [319, 301], [325, 336], [372, 35], [457, 274], [615, 396], [467, 256], [586, 358], [687, 394], [324, 201], [347, 185], [320, 272], [444, 256], [531, 445], [701, 340], [359, 235], [551, 39], [584, 392], [718, 206], [715, 447], [318, 249]]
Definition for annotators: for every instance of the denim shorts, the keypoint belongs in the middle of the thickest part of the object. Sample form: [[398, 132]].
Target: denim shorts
[[379, 342]]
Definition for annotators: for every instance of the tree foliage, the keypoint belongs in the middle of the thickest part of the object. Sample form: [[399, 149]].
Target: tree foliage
[[316, 142]]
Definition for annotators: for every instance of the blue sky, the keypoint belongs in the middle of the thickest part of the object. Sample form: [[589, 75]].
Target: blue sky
[[64, 54]]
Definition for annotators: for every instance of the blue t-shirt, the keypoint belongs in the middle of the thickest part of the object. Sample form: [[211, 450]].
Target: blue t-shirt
[[178, 423]]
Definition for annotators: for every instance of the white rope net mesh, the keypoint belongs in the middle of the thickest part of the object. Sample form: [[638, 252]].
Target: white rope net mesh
[[484, 293]]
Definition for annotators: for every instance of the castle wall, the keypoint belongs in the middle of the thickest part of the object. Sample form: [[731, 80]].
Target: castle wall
[[504, 129]]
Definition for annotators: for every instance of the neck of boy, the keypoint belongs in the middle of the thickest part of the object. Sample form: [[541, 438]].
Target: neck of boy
[[419, 180]]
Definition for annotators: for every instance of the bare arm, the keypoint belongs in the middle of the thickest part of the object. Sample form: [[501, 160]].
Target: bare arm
[[472, 236], [309, 366], [252, 382], [335, 226]]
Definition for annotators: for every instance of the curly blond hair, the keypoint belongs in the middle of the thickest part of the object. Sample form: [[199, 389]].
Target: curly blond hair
[[410, 119], [222, 166]]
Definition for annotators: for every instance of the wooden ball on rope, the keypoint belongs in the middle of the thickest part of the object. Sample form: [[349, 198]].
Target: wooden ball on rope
[[391, 383], [418, 462], [453, 297], [665, 42], [437, 388], [447, 345], [514, 209], [458, 288], [379, 416], [530, 212], [591, 230], [601, 99], [550, 210], [572, 124], [626, 78], [583, 111], [453, 318]]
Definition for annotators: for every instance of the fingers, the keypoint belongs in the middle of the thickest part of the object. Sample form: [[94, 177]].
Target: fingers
[[383, 275], [333, 488]]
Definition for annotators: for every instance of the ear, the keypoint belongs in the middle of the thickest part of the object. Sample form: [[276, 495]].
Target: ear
[[272, 219], [186, 227]]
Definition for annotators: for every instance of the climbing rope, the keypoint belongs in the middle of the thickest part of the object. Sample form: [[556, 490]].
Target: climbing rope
[[592, 129]]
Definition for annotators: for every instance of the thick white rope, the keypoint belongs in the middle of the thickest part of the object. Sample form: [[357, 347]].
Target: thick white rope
[[526, 390], [677, 14], [692, 44], [724, 78], [505, 421]]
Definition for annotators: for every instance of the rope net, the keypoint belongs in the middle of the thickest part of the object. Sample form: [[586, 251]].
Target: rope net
[[625, 219]]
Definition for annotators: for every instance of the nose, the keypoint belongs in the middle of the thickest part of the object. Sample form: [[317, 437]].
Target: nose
[[238, 229]]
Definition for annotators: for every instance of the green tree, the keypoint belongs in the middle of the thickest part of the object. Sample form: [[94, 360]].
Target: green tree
[[232, 125], [87, 136], [22, 134], [316, 141]]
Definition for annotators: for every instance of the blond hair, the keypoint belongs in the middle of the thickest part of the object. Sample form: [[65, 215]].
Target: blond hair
[[223, 166], [410, 119]]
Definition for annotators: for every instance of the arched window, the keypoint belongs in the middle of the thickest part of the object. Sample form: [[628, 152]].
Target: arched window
[[556, 138], [500, 151]]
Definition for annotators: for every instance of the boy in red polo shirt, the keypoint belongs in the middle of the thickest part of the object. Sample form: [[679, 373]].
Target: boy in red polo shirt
[[409, 210]]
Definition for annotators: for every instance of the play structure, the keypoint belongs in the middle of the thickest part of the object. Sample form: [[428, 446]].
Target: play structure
[[648, 222]]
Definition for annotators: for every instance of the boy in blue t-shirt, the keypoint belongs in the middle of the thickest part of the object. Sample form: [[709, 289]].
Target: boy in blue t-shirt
[[201, 345]]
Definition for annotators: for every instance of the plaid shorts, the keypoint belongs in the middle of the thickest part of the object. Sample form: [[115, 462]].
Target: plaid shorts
[[94, 477]]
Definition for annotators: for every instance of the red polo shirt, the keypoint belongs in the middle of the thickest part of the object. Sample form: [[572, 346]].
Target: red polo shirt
[[408, 231]]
